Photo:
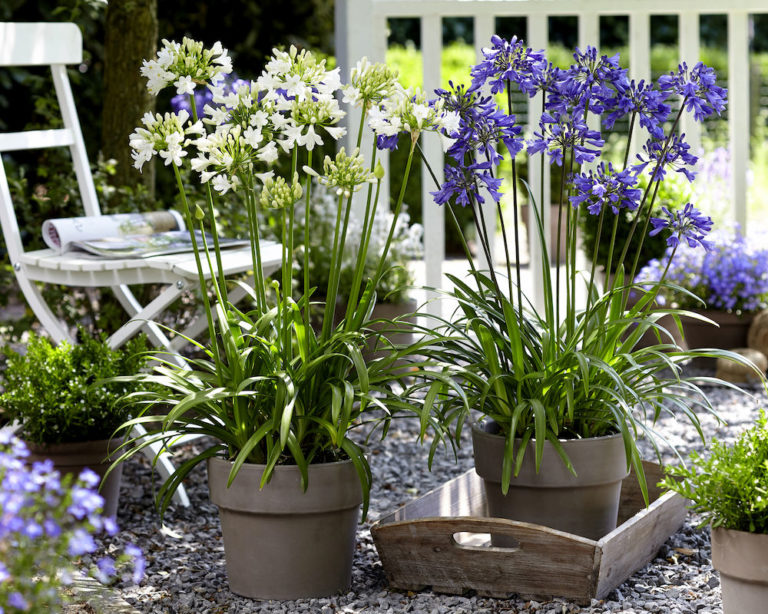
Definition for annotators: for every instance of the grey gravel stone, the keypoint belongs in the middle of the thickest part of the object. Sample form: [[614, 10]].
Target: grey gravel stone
[[186, 569]]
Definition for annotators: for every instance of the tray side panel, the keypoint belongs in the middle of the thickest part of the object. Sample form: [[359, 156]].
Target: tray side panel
[[461, 496], [421, 553], [635, 543]]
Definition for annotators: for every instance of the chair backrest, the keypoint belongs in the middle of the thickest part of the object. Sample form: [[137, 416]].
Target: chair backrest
[[54, 45]]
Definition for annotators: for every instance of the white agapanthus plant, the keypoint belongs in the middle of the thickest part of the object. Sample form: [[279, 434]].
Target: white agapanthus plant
[[270, 389]]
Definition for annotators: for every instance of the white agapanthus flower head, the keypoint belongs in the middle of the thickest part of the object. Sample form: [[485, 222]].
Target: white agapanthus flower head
[[408, 110], [163, 135], [186, 65], [370, 83], [346, 172]]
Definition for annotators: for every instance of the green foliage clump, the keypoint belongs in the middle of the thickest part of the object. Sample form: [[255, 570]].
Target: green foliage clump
[[729, 487], [53, 391]]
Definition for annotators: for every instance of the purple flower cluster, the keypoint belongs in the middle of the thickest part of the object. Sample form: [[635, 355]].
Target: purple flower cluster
[[204, 96], [45, 521], [699, 89], [687, 224], [482, 127], [606, 186], [594, 85], [731, 275]]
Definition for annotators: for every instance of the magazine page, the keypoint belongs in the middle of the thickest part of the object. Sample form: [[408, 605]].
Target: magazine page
[[144, 246], [60, 234]]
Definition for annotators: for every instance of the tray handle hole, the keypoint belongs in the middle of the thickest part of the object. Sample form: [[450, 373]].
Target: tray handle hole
[[482, 541]]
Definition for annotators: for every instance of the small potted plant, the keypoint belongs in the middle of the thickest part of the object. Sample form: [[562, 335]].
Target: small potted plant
[[48, 522], [63, 413], [728, 488], [726, 285]]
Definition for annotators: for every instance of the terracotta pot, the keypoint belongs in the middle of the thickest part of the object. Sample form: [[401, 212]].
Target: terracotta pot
[[281, 542], [742, 560], [525, 216], [585, 505], [72, 458], [731, 332], [390, 311]]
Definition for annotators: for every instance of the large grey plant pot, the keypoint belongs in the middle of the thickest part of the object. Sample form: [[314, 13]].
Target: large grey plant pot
[[281, 542], [72, 458], [585, 505], [742, 560]]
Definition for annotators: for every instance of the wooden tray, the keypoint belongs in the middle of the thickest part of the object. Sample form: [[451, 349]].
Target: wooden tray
[[442, 540]]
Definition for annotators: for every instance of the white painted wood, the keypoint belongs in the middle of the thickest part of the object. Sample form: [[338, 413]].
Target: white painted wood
[[538, 38], [462, 8], [483, 30], [434, 230], [639, 69], [689, 53], [35, 139], [738, 110], [40, 44]]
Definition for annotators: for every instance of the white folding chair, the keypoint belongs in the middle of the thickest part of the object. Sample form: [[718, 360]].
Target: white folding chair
[[57, 45]]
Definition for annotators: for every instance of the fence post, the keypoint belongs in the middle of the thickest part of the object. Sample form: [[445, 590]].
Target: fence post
[[738, 111]]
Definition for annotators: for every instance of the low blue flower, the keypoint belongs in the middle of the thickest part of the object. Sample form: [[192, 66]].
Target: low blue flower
[[139, 563], [81, 542]]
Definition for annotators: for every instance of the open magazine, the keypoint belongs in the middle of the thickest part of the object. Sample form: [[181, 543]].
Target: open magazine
[[125, 235]]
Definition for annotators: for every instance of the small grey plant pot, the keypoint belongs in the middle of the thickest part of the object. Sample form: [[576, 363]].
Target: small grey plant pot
[[585, 505], [72, 458], [742, 560], [281, 542]]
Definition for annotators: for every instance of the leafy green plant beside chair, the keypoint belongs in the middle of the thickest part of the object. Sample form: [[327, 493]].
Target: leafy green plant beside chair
[[62, 410]]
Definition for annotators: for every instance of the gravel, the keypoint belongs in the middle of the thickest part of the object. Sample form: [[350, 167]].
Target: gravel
[[185, 556]]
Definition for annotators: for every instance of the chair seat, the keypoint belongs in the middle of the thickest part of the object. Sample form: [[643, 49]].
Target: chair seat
[[78, 269]]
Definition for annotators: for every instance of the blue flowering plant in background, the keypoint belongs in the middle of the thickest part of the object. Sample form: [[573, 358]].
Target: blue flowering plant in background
[[564, 371], [732, 275], [47, 526]]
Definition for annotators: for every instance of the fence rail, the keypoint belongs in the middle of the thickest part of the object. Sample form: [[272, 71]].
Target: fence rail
[[361, 30]]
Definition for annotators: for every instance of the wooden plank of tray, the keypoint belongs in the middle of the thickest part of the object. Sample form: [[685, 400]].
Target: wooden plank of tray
[[418, 547]]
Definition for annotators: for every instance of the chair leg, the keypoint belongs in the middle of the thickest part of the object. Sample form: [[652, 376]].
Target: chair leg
[[158, 454], [55, 327], [145, 315]]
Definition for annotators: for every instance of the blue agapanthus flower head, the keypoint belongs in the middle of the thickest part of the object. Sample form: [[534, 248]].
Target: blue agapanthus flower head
[[659, 155], [606, 186], [505, 62], [687, 224], [644, 100], [699, 89], [559, 132]]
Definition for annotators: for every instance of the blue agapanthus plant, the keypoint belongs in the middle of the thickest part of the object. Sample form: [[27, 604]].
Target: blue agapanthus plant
[[732, 275], [564, 370]]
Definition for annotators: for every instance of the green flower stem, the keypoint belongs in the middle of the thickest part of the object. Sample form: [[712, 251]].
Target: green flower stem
[[333, 279], [212, 213], [368, 219], [454, 220], [201, 278], [307, 260], [396, 213], [258, 271], [650, 184], [516, 222], [557, 247]]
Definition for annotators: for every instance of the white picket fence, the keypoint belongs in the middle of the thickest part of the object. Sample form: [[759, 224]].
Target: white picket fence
[[361, 30]]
